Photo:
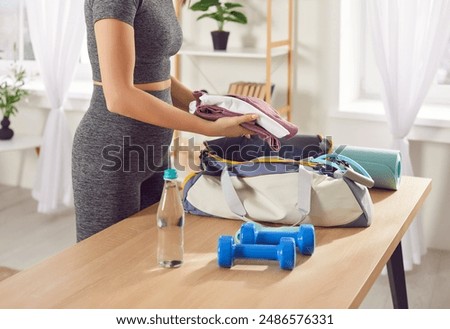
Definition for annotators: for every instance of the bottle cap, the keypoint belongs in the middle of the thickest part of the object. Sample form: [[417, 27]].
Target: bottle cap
[[170, 173]]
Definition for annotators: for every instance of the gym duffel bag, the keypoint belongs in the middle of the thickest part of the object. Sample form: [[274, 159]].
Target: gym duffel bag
[[323, 190]]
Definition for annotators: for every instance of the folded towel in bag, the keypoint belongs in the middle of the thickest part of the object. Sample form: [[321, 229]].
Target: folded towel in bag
[[269, 126]]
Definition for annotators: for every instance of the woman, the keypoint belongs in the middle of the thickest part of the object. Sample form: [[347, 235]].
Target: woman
[[121, 145]]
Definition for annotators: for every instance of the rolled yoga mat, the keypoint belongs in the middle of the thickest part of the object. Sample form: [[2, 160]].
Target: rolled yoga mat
[[383, 165]]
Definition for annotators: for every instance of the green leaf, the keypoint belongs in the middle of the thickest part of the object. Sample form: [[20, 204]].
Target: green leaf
[[203, 5], [238, 17], [230, 5], [211, 15]]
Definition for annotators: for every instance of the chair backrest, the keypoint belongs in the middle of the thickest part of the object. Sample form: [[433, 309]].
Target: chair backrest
[[245, 88]]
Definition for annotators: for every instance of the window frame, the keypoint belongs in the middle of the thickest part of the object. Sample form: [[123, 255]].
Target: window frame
[[81, 87], [355, 101]]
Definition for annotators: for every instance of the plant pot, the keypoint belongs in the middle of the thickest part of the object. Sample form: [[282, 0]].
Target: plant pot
[[220, 39], [5, 132]]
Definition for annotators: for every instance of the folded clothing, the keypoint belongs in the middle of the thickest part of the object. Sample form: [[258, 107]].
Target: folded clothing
[[269, 126]]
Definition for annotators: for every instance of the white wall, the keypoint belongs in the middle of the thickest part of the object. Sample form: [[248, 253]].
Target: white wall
[[315, 99]]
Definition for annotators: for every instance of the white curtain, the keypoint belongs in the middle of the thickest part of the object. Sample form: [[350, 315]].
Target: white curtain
[[57, 30], [444, 70], [410, 37]]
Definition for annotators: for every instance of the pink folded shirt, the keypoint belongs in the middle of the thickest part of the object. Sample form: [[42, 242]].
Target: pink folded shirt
[[274, 125]]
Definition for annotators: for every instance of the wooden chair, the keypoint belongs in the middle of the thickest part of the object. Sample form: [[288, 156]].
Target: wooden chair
[[244, 88]]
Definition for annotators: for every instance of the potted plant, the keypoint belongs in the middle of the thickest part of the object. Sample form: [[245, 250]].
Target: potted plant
[[11, 92], [221, 12]]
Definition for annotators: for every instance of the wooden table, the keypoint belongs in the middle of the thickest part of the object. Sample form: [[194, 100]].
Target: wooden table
[[117, 267]]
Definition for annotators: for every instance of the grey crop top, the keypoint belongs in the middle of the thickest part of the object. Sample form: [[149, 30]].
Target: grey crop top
[[157, 34]]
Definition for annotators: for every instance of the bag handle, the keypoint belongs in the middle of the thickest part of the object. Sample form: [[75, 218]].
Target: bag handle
[[305, 179], [346, 171], [237, 207], [231, 197]]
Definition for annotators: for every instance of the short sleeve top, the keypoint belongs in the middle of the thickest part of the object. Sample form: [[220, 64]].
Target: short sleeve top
[[157, 34]]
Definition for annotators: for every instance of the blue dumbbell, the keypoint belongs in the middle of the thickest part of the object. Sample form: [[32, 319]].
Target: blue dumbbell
[[228, 251], [304, 236]]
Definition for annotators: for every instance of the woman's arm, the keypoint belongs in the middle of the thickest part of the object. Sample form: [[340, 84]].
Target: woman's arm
[[116, 52], [181, 95]]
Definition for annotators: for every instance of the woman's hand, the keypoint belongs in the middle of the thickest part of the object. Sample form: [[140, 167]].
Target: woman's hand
[[231, 126]]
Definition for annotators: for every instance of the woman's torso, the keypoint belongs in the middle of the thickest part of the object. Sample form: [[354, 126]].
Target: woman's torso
[[157, 34]]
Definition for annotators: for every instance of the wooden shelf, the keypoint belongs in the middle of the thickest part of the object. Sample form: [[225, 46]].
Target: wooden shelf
[[232, 52], [273, 48], [20, 142]]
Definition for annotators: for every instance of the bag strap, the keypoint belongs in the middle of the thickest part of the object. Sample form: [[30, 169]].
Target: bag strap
[[346, 171], [231, 197], [305, 179], [237, 207]]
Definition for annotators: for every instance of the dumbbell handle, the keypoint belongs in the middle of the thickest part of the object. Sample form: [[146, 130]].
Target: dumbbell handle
[[273, 237], [228, 251], [256, 251], [304, 236]]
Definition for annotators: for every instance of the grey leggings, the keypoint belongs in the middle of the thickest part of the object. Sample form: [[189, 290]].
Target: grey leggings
[[117, 165]]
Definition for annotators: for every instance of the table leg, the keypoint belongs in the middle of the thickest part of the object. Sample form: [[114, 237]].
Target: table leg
[[396, 274]]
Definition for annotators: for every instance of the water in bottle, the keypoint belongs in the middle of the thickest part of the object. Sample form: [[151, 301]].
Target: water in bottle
[[170, 223]]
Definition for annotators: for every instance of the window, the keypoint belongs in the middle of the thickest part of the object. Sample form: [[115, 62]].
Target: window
[[439, 92], [15, 42], [361, 82]]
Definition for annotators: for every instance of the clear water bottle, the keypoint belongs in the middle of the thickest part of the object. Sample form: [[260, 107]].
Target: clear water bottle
[[170, 223]]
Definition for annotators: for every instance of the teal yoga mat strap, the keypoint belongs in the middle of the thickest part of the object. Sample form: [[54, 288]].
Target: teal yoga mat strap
[[352, 162], [350, 169], [383, 165]]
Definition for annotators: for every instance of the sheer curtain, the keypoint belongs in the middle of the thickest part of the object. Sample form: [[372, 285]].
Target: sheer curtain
[[410, 37], [444, 71], [57, 31]]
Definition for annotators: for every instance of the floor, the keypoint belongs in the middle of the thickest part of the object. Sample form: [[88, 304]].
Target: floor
[[26, 238]]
